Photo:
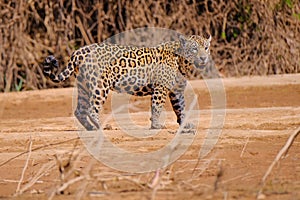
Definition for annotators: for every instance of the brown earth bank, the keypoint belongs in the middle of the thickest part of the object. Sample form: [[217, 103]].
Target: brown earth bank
[[41, 155]]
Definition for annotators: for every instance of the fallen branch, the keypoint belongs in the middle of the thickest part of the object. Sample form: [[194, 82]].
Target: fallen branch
[[37, 148], [42, 172], [242, 153], [60, 190], [284, 150], [24, 168]]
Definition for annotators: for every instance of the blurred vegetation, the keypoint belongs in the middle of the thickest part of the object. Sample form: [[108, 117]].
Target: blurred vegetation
[[258, 37]]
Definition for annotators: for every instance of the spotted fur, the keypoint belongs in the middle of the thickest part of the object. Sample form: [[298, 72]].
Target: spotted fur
[[158, 71]]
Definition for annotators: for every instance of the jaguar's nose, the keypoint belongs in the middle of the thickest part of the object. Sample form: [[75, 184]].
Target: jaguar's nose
[[203, 59]]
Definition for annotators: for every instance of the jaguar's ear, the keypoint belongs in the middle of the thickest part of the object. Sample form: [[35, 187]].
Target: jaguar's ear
[[182, 40], [209, 38]]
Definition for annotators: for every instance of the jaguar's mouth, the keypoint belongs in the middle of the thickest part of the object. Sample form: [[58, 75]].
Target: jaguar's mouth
[[200, 64]]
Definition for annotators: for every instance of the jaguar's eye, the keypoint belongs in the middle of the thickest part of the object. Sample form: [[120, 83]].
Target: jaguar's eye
[[206, 48]]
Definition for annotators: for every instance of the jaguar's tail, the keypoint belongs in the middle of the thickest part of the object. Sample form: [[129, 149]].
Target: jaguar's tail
[[50, 68]]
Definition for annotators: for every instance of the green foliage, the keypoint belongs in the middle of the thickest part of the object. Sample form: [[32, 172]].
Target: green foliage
[[19, 86], [241, 21], [235, 34], [223, 36], [245, 13], [296, 15], [289, 3], [284, 3]]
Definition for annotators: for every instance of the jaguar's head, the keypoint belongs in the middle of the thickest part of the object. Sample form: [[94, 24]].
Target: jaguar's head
[[195, 49]]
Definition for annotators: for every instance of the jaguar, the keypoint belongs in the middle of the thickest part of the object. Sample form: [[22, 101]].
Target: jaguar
[[159, 71]]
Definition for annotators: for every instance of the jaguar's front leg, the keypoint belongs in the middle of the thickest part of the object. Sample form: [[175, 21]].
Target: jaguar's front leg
[[178, 104], [158, 100]]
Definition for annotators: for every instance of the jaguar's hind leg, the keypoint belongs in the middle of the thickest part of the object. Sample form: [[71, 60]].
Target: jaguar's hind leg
[[99, 91], [82, 109]]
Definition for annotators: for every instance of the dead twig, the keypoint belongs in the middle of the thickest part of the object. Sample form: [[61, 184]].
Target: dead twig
[[25, 167], [37, 148], [42, 172], [156, 179], [70, 182], [284, 150], [155, 183], [242, 153]]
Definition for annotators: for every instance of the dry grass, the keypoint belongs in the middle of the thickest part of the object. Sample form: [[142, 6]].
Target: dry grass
[[256, 37], [81, 182]]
